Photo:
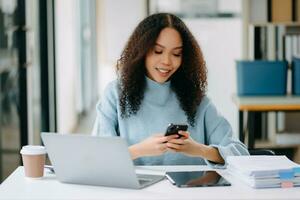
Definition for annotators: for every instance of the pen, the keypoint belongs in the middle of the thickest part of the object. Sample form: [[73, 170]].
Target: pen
[[50, 167], [170, 179]]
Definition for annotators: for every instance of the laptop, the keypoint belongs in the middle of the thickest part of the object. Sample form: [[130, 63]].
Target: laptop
[[93, 160]]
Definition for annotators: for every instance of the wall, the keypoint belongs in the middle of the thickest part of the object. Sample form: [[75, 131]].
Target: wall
[[116, 21], [221, 43], [66, 63]]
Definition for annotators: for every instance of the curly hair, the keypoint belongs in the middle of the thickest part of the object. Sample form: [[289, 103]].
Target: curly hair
[[189, 82]]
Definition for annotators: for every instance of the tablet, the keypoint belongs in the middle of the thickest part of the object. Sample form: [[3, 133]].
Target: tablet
[[197, 179]]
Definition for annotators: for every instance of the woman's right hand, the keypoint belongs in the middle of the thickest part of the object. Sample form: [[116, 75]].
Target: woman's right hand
[[152, 146]]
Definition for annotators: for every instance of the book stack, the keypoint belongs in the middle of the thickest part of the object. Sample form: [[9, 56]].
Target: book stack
[[265, 171]]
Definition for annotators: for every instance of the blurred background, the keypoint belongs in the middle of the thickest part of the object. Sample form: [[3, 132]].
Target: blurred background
[[56, 57]]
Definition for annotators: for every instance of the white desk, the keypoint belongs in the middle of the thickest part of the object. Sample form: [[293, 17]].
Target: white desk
[[18, 187]]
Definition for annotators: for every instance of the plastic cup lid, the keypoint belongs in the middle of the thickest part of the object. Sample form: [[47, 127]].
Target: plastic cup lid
[[33, 150]]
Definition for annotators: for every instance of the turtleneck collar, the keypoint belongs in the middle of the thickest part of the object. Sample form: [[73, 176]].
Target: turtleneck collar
[[157, 93]]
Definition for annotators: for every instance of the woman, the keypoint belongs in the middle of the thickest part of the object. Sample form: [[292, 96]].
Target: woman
[[162, 79]]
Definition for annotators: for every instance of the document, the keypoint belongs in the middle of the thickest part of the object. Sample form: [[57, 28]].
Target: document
[[265, 171], [261, 166]]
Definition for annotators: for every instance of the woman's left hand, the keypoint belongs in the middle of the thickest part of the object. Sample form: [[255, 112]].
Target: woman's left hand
[[185, 145]]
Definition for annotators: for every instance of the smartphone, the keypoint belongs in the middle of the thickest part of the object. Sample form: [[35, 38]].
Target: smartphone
[[174, 128]]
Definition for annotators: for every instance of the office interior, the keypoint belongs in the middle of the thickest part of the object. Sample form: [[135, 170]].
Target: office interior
[[56, 58]]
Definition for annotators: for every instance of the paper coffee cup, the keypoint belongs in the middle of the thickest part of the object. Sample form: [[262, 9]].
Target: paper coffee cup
[[33, 158]]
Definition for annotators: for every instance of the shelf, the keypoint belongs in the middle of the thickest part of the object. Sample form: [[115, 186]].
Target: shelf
[[288, 139], [281, 140], [262, 24], [269, 144], [267, 103], [268, 39]]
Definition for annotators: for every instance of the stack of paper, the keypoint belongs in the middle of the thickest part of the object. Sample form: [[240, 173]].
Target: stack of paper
[[265, 171]]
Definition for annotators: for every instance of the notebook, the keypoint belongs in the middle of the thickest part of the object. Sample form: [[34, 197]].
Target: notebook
[[265, 171], [262, 166]]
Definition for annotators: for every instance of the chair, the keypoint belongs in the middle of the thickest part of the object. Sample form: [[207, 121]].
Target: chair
[[266, 152]]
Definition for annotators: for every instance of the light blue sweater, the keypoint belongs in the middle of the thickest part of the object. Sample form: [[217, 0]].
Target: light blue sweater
[[159, 108]]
